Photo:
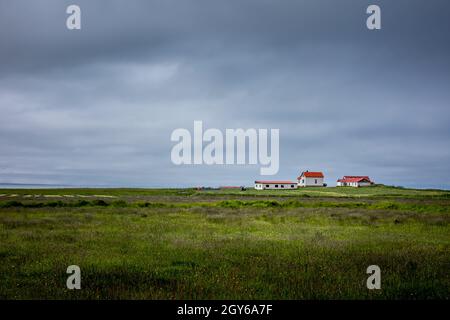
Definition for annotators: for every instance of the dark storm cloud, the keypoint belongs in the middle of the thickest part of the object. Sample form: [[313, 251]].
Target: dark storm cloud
[[97, 106]]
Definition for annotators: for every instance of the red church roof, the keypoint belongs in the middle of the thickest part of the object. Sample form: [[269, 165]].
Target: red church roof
[[311, 174], [354, 179]]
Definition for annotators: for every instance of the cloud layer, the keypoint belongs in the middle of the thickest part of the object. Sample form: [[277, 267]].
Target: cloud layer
[[97, 106]]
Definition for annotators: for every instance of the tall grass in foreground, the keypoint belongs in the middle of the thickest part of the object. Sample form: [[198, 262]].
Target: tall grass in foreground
[[224, 249]]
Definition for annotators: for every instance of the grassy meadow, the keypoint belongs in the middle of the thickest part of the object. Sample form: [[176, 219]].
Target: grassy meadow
[[311, 243]]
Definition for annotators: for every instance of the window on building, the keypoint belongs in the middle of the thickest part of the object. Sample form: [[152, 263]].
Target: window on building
[[267, 185], [292, 186], [315, 181], [276, 186], [282, 185]]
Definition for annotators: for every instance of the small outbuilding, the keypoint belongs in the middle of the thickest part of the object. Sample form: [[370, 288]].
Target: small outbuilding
[[311, 179], [275, 185], [354, 181]]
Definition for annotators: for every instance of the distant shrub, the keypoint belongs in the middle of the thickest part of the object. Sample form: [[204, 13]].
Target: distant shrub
[[58, 203], [240, 204], [230, 204], [266, 204], [119, 203], [35, 205], [10, 204], [81, 203], [99, 202], [151, 205]]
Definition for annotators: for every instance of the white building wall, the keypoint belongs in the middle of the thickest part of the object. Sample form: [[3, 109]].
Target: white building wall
[[310, 182], [353, 184], [275, 186]]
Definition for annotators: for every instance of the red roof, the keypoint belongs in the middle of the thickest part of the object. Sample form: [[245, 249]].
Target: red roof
[[275, 182], [354, 179], [311, 174]]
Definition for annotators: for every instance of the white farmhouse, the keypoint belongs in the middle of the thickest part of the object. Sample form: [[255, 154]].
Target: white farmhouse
[[354, 181], [311, 179], [275, 185]]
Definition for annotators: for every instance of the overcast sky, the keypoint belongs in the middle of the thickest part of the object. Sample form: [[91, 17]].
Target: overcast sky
[[97, 106]]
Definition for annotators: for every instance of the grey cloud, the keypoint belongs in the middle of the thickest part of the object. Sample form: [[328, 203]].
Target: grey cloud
[[97, 106]]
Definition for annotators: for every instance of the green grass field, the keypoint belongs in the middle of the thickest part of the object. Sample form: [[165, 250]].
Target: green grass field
[[312, 243]]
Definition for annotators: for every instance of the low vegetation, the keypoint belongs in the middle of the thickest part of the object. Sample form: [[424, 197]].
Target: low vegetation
[[225, 244]]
